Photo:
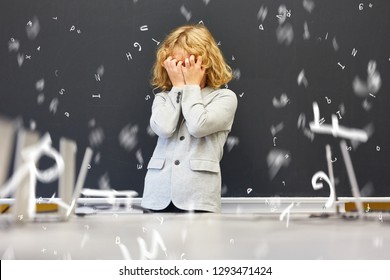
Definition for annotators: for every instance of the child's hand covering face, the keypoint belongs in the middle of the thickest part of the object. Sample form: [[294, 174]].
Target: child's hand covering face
[[193, 71], [174, 70], [183, 69]]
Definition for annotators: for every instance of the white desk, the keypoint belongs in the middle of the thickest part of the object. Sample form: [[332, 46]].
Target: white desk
[[197, 236]]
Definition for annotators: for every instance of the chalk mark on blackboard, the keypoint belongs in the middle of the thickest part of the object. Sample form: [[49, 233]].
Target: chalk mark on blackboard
[[306, 34], [53, 105], [335, 45], [40, 84], [96, 137], [308, 5], [99, 73], [232, 141], [281, 102], [285, 34], [236, 74], [33, 27], [276, 159], [128, 138], [278, 128], [137, 45], [20, 59], [302, 79], [335, 129], [262, 14], [342, 66], [373, 83], [318, 185], [187, 14], [13, 45], [140, 158]]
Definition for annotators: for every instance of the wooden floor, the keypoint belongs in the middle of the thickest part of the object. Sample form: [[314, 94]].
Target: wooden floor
[[197, 237]]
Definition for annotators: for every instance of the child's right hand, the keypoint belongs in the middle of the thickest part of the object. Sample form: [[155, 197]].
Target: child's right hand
[[174, 71]]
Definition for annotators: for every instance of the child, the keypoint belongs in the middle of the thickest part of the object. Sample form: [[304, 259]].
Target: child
[[192, 117]]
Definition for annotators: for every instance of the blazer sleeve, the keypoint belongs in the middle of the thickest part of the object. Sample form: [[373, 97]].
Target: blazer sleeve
[[166, 110], [203, 120]]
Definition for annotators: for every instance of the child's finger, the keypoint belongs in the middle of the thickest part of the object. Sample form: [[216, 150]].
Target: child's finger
[[173, 62], [166, 62], [187, 62], [192, 60], [199, 60]]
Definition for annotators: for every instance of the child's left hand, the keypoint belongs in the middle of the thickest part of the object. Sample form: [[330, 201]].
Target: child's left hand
[[193, 72]]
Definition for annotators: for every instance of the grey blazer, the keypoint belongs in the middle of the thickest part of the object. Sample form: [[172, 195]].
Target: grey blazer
[[192, 125]]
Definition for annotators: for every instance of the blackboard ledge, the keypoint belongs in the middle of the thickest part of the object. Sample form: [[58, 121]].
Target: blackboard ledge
[[247, 205]]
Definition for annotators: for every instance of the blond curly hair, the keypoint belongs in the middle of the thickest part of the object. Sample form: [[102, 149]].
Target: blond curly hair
[[198, 41]]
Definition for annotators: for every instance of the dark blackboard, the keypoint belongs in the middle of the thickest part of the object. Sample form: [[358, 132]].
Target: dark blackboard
[[81, 68]]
